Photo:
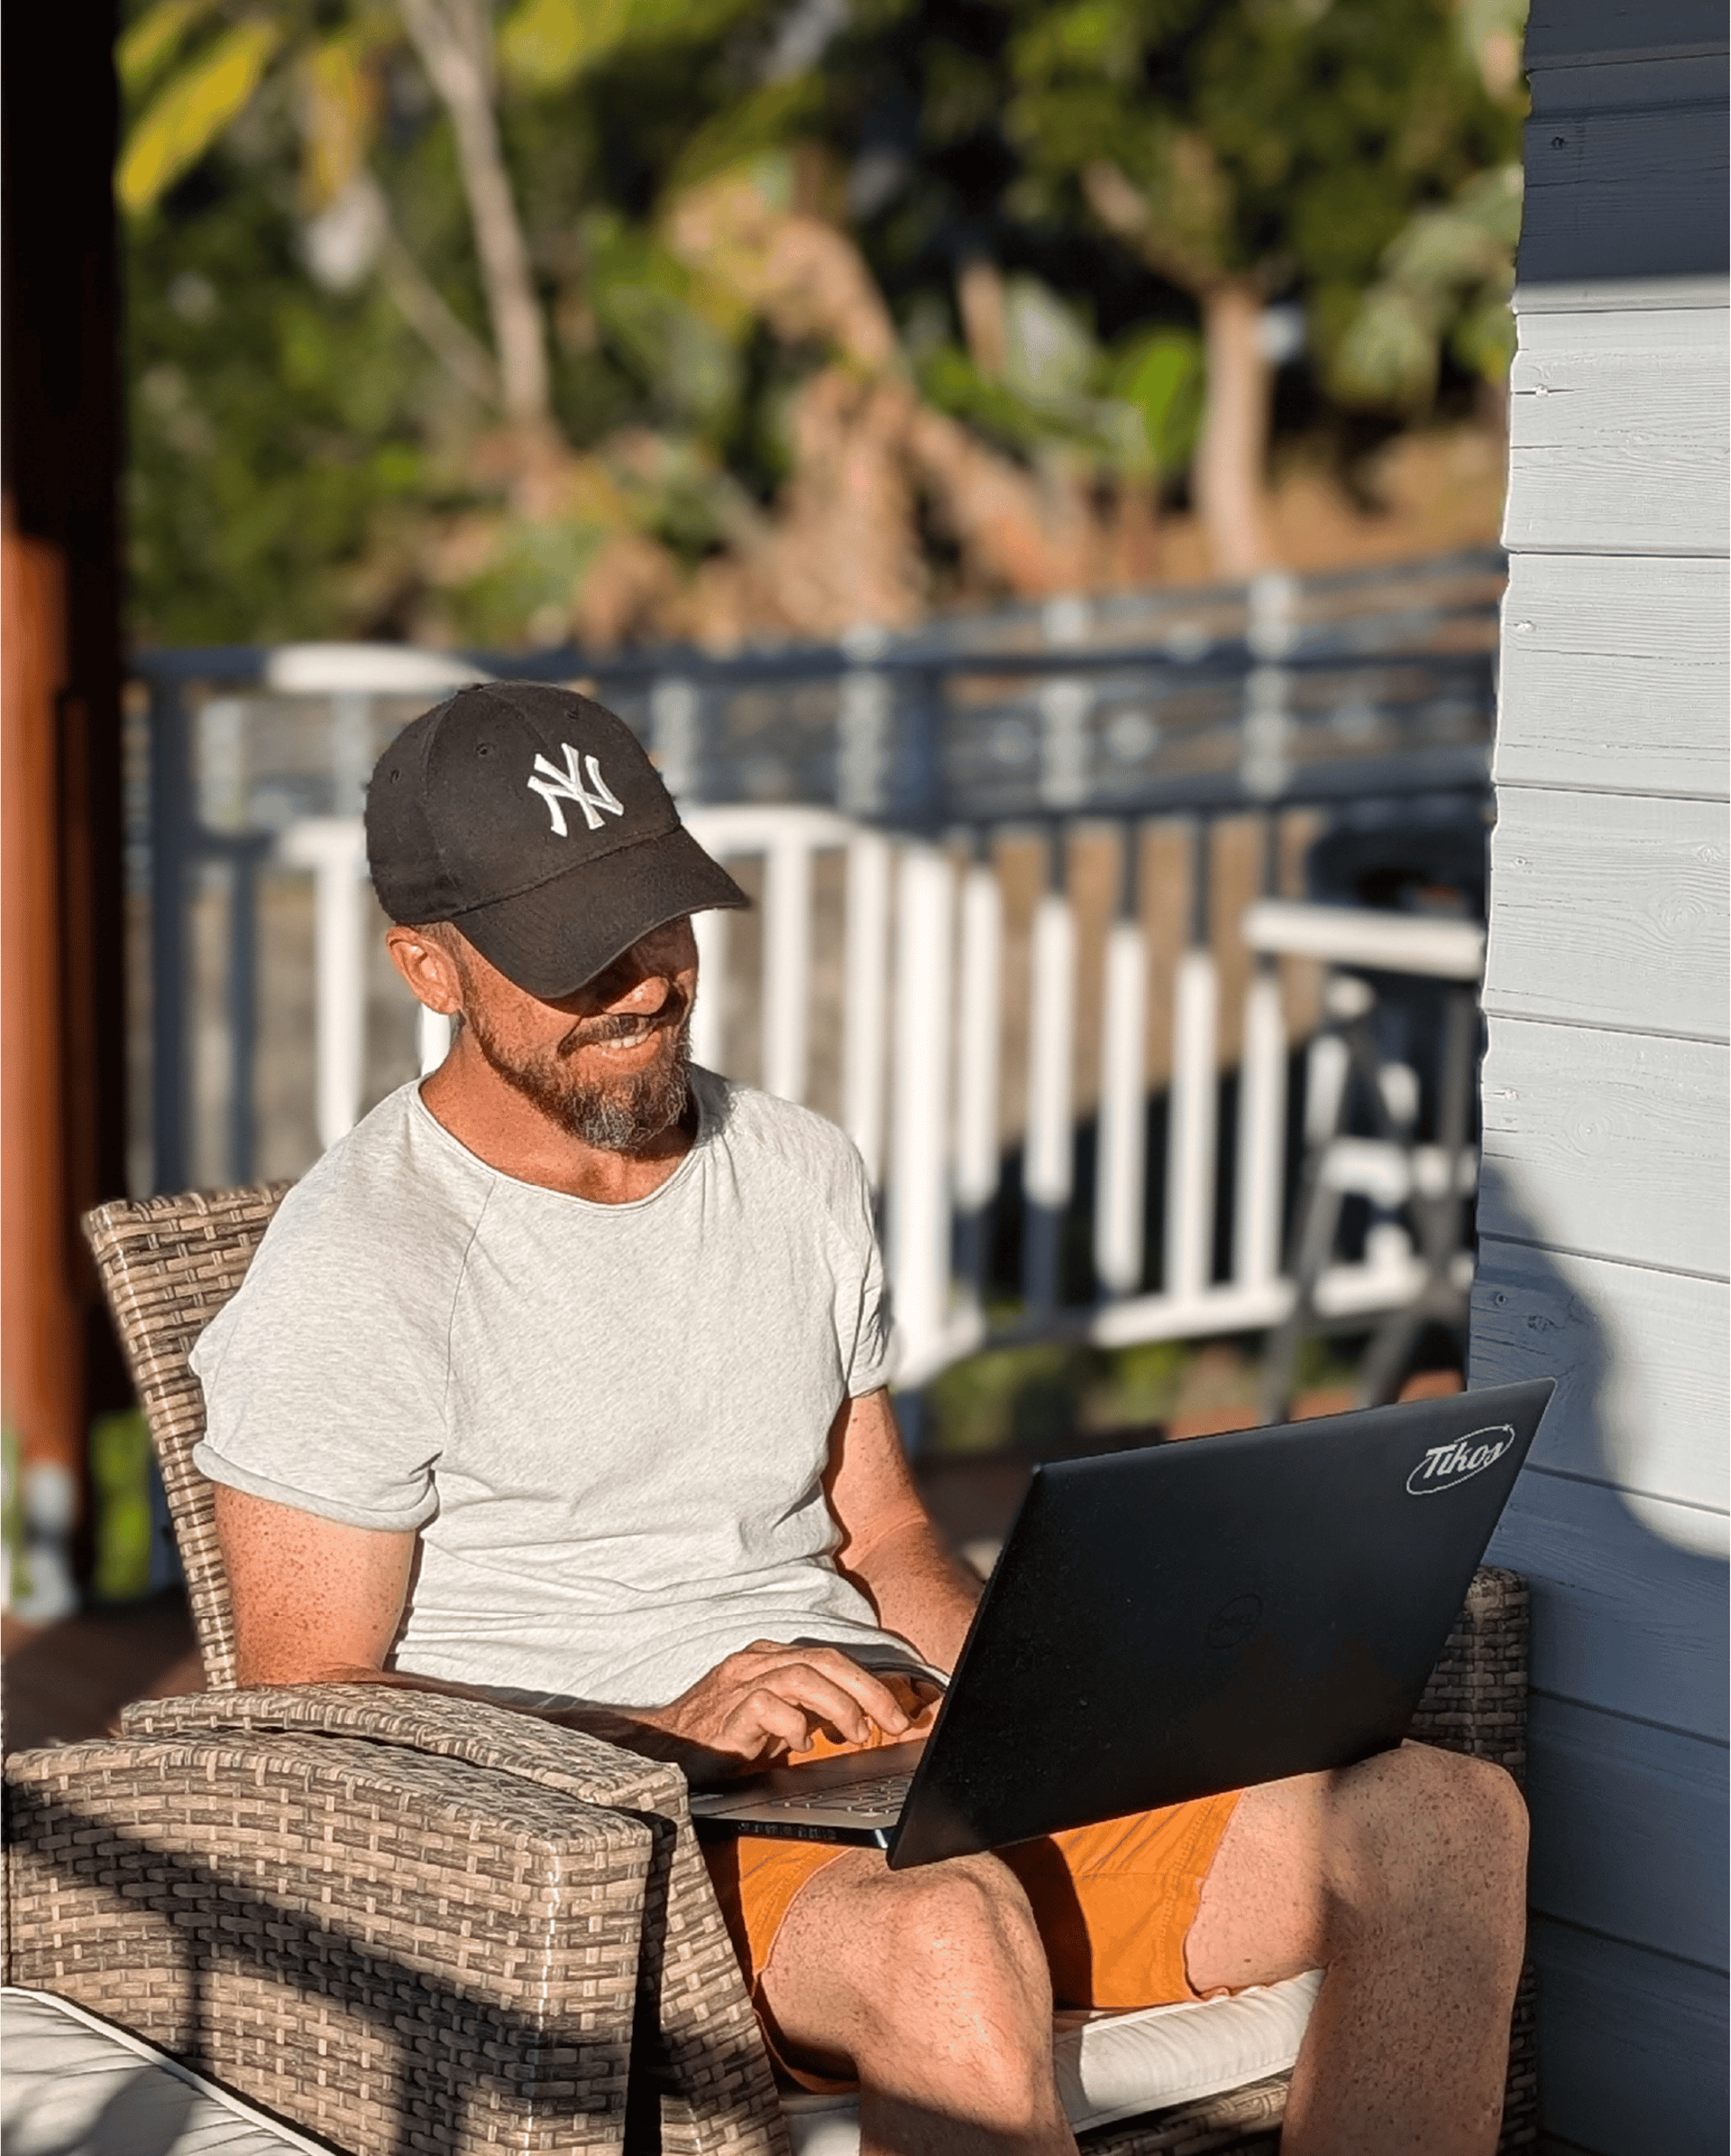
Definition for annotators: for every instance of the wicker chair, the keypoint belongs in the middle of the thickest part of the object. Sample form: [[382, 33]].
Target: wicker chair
[[168, 1266], [379, 1946]]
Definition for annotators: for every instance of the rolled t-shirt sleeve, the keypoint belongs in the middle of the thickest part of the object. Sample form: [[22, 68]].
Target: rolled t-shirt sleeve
[[324, 1381]]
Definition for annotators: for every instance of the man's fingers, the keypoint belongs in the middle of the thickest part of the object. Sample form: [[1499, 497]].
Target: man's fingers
[[765, 1713], [833, 1666], [872, 1693], [825, 1700]]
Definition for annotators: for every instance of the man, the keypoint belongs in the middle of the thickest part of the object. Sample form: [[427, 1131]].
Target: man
[[561, 1380]]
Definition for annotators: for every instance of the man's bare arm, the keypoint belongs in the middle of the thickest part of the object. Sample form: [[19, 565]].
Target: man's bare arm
[[319, 1602], [890, 1548], [316, 1601]]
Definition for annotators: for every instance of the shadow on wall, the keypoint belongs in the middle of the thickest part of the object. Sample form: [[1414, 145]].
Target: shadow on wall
[[1616, 1524]]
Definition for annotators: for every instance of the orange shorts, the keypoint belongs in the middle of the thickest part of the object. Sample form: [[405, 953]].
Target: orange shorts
[[1113, 1902]]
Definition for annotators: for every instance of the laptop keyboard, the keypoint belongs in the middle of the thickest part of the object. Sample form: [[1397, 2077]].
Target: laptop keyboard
[[886, 1795]]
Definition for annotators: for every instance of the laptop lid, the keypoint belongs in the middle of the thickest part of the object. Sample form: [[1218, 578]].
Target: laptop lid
[[1193, 1618]]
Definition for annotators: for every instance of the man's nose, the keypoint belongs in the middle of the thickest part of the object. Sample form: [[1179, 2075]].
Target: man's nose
[[642, 977]]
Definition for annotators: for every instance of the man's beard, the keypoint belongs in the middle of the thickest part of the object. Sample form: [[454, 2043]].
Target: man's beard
[[624, 1115]]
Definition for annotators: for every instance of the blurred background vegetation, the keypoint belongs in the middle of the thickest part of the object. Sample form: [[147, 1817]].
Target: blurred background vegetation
[[725, 319]]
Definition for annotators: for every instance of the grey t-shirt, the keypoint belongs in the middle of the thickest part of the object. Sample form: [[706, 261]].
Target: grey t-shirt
[[609, 1423]]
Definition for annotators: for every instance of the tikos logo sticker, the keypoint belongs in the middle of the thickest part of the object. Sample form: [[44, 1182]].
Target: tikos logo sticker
[[1447, 1466]]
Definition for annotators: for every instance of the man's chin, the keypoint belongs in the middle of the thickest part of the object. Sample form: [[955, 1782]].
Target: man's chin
[[628, 1111], [631, 1116]]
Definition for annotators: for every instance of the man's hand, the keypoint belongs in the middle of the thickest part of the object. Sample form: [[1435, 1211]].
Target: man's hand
[[767, 1700]]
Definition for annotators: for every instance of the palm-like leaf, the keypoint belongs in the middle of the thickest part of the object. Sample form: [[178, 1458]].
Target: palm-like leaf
[[1445, 277], [151, 41], [545, 45], [192, 109]]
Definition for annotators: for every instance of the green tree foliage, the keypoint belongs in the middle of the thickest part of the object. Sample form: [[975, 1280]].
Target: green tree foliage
[[1291, 140], [352, 413], [1245, 149], [1443, 286]]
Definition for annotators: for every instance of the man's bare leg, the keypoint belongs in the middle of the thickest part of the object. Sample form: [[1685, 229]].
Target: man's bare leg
[[1404, 1879], [929, 1985]]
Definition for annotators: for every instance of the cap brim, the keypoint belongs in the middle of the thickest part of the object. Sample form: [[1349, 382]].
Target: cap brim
[[553, 939]]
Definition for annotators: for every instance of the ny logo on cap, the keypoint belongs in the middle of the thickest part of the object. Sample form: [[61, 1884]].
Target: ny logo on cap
[[554, 787]]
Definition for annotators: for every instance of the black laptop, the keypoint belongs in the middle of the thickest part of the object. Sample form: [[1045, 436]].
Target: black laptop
[[1167, 1623]]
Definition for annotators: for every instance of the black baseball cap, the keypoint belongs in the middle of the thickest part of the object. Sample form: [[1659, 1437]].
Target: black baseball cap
[[531, 819]]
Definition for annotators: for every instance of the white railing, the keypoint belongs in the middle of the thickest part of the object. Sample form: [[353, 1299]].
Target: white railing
[[914, 976]]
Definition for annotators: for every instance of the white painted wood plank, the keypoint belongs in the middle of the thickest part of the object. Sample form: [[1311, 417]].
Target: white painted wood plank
[[1628, 1829], [1613, 1144], [1610, 910], [1620, 295], [1689, 336], [864, 969], [710, 1014], [1616, 674], [1048, 1172], [1644, 1392], [979, 1037], [1628, 1610], [1618, 433], [1261, 1133], [1119, 1191], [1614, 194], [1191, 1136], [432, 1039], [787, 964], [1343, 935], [335, 848], [1631, 2047], [918, 1194], [1585, 32]]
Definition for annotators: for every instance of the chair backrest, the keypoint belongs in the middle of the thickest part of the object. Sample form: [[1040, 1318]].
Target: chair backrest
[[167, 1265]]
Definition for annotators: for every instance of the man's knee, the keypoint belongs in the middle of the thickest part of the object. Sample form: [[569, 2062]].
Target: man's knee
[[958, 1945], [1438, 1825], [967, 1918], [1476, 1798]]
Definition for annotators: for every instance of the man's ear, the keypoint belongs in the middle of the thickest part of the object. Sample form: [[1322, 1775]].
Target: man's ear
[[428, 968]]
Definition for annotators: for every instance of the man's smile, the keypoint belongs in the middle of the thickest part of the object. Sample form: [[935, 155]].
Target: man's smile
[[623, 1036], [637, 1046]]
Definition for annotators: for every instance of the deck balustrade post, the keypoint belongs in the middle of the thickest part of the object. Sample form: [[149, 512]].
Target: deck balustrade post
[[918, 1188], [1122, 1160], [1049, 1152], [978, 1055]]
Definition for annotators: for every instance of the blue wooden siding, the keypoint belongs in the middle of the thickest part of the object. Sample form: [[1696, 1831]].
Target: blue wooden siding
[[1604, 1203]]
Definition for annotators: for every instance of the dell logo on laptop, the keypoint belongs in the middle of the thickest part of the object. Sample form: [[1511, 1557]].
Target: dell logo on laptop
[[1233, 1622], [1446, 1466]]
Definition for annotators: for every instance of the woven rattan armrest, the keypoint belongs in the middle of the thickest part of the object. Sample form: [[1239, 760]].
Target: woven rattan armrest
[[384, 1947], [704, 2062]]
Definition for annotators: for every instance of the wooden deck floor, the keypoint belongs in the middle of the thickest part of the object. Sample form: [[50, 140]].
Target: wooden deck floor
[[68, 1681]]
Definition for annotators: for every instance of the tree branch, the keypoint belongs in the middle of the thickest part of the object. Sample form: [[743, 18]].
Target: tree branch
[[453, 40], [451, 340]]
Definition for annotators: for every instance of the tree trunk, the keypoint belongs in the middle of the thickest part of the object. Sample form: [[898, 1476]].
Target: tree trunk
[[1229, 471], [979, 301], [453, 40]]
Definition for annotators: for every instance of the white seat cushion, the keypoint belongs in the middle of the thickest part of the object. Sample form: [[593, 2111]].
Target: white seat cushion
[[1113, 2066], [76, 2086]]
